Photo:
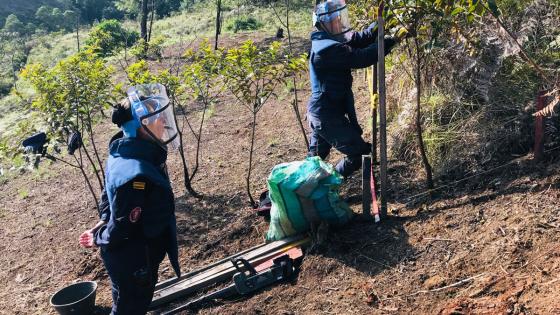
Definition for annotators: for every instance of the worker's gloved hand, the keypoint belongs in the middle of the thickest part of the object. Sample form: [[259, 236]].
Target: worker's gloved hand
[[389, 42], [372, 28], [367, 148], [74, 142]]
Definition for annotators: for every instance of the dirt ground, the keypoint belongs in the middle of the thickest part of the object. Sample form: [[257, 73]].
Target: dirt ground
[[488, 245]]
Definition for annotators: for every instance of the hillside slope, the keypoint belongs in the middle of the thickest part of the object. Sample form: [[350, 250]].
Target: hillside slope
[[489, 245]]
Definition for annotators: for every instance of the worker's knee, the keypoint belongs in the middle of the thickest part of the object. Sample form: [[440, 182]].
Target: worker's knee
[[313, 151], [349, 165]]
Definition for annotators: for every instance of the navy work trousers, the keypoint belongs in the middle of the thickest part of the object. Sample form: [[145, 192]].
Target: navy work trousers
[[344, 134], [133, 270]]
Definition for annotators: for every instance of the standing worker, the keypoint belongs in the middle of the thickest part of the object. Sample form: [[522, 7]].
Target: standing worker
[[335, 51], [137, 226]]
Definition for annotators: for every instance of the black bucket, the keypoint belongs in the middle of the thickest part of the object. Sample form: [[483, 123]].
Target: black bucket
[[78, 298]]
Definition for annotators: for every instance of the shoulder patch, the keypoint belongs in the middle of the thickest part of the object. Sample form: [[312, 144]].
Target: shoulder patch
[[139, 185], [134, 215]]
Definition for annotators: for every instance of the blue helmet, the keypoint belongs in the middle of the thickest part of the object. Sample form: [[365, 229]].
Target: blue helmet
[[151, 110], [332, 17]]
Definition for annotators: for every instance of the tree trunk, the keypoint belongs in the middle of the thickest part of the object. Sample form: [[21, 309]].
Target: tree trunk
[[419, 138], [93, 165], [218, 22], [144, 25], [92, 139], [248, 179], [90, 187], [78, 29], [186, 177], [199, 138], [151, 20]]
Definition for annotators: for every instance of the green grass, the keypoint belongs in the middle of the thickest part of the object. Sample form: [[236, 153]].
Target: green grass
[[48, 223], [200, 22], [274, 142], [48, 50], [23, 193], [51, 48], [43, 172]]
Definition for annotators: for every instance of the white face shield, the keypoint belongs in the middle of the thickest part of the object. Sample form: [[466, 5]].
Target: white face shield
[[332, 16], [150, 107]]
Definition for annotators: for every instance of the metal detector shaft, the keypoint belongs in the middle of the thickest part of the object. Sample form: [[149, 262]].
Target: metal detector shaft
[[171, 281], [245, 283], [226, 292]]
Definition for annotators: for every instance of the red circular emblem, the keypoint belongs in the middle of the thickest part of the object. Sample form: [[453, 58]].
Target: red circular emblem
[[135, 214]]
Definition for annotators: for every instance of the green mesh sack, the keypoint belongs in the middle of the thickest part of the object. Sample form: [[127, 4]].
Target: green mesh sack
[[302, 193]]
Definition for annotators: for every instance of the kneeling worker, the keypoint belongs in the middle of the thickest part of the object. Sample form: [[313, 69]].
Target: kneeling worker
[[137, 226], [335, 51]]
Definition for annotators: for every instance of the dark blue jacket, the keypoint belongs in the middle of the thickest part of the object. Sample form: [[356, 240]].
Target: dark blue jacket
[[138, 201], [330, 65]]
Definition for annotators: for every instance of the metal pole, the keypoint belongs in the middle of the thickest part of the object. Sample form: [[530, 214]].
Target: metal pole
[[382, 109]]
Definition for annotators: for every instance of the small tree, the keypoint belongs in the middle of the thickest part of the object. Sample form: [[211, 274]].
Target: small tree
[[175, 89], [44, 16], [110, 36], [71, 97], [13, 25], [201, 78], [69, 19], [252, 75]]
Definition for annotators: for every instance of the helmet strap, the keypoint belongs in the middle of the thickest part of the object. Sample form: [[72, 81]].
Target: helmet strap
[[129, 128]]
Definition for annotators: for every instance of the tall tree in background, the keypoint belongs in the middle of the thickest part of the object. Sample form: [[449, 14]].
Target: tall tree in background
[[144, 21], [13, 25], [218, 22]]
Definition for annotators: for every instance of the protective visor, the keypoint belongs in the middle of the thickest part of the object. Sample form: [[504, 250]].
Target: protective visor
[[332, 15], [150, 107]]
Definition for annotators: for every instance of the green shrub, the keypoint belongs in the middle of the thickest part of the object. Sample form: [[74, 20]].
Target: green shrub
[[244, 24], [14, 25], [150, 50], [109, 36]]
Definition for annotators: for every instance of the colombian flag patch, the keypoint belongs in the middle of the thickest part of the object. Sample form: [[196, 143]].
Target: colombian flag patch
[[139, 185]]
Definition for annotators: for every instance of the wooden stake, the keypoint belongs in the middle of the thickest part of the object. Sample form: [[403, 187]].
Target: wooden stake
[[539, 130], [366, 189]]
